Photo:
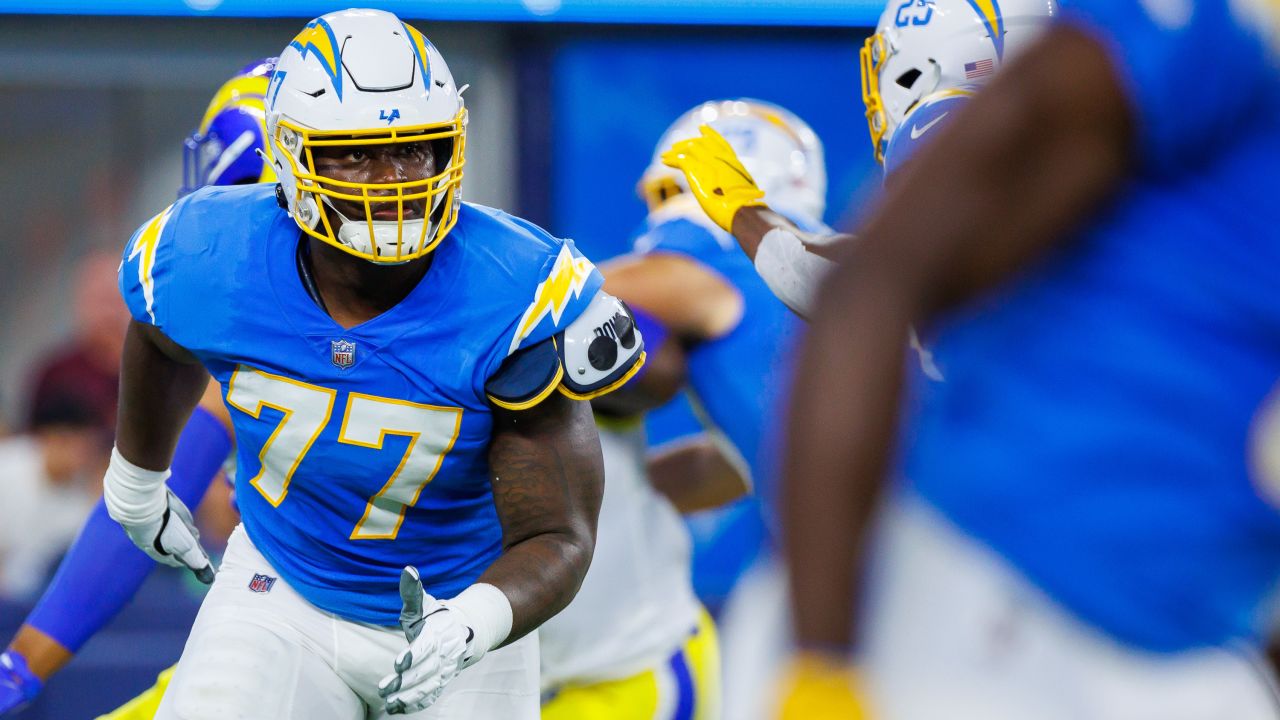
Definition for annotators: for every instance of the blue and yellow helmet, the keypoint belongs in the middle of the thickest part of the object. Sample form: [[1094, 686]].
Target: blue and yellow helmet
[[224, 149]]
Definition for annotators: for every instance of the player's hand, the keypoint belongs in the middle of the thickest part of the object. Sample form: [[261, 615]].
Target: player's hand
[[18, 685], [169, 536], [441, 645], [821, 688], [716, 176]]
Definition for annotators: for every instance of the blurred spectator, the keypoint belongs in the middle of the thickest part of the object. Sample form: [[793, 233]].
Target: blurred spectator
[[49, 481], [87, 366]]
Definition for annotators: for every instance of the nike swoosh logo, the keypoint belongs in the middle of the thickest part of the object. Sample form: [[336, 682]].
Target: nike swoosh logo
[[917, 131]]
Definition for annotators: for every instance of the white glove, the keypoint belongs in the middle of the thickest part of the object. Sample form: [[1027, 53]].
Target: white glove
[[153, 517], [444, 638]]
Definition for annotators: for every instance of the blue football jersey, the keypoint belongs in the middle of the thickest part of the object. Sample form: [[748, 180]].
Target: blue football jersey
[[1096, 425], [738, 383], [361, 450]]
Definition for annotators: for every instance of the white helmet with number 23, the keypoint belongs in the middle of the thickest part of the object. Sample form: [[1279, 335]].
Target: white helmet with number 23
[[362, 78], [924, 46]]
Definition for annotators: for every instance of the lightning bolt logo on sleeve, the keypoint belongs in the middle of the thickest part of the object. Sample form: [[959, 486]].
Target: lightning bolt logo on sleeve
[[146, 244], [565, 282]]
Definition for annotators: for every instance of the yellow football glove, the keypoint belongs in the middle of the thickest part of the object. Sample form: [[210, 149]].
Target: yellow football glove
[[818, 687], [716, 176]]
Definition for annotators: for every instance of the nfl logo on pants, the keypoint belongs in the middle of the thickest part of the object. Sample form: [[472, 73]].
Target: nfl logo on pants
[[344, 353], [262, 583]]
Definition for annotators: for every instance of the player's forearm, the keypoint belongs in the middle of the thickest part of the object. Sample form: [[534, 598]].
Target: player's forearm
[[548, 480], [561, 560], [697, 476], [44, 655], [841, 431], [752, 223]]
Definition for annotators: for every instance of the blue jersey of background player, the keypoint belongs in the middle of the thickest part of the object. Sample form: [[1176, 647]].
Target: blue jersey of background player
[[1100, 425], [735, 384], [103, 569], [689, 275], [1185, 550]]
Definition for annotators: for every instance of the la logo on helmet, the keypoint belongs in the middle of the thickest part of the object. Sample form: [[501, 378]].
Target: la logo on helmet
[[394, 116]]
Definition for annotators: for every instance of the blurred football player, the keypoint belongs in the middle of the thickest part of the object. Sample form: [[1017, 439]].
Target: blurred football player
[[103, 570], [1085, 521], [689, 280], [923, 62], [411, 422], [635, 643]]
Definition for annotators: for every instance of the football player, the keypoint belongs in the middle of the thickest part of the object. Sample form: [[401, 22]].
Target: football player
[[689, 282], [635, 643], [103, 570], [639, 582], [924, 60], [408, 377], [1085, 523]]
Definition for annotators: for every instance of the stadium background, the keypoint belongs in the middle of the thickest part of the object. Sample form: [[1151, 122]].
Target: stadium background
[[567, 99]]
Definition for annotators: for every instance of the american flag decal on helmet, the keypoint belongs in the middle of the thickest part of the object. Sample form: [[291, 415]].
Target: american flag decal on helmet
[[981, 68], [262, 583]]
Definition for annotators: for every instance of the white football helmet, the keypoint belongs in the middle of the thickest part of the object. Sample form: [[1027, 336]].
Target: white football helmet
[[780, 151], [363, 77], [924, 46]]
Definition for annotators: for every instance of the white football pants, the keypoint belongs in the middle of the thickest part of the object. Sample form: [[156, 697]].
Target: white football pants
[[274, 656], [952, 631]]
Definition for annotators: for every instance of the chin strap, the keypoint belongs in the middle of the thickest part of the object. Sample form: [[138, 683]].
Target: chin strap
[[303, 257]]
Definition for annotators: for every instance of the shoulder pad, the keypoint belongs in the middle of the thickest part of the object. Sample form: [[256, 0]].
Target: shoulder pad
[[526, 377], [600, 350]]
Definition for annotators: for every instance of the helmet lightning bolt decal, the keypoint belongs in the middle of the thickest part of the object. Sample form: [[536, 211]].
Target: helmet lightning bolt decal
[[318, 39], [993, 19], [420, 44], [146, 244], [568, 277]]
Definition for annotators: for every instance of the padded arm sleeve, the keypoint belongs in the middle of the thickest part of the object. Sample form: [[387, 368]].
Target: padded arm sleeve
[[791, 272], [600, 350]]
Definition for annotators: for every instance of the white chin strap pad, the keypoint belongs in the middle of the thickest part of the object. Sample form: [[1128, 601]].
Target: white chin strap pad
[[355, 234]]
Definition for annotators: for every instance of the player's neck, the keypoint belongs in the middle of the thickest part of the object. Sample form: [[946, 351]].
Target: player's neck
[[354, 291]]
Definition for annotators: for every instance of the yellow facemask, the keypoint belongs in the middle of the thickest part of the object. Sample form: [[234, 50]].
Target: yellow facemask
[[390, 242]]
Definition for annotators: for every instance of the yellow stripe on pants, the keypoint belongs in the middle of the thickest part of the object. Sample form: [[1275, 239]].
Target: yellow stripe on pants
[[639, 697]]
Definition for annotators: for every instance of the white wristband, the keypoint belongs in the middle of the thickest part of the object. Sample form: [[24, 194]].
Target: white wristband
[[487, 612], [132, 494]]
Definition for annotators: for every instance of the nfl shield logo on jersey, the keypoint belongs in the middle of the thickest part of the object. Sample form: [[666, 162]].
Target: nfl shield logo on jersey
[[344, 353], [262, 583]]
